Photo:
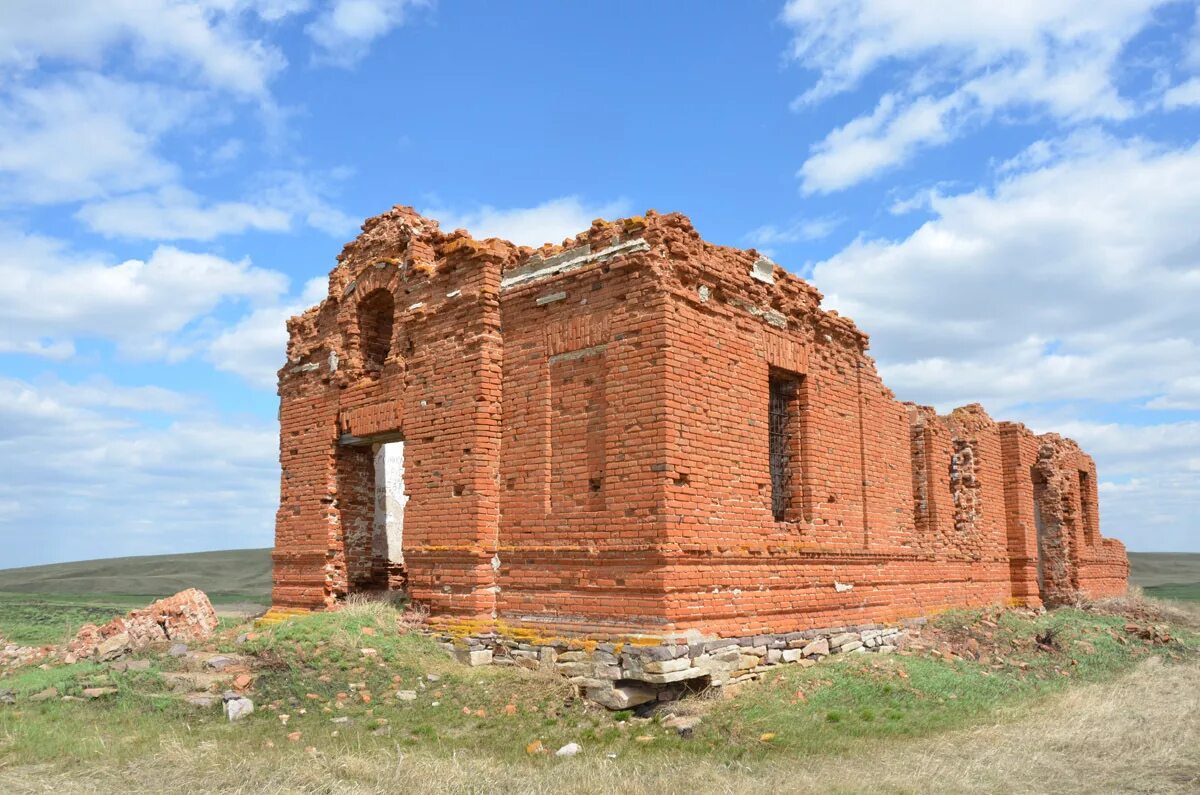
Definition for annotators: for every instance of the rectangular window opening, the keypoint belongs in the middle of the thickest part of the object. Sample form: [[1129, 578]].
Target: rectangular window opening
[[785, 444]]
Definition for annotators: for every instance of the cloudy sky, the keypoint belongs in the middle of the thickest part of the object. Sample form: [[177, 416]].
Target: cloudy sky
[[1006, 196]]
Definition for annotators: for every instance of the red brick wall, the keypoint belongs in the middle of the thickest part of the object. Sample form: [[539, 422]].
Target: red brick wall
[[587, 446], [584, 432]]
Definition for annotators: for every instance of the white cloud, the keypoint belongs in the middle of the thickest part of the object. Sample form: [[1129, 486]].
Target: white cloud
[[549, 222], [305, 196], [206, 38], [256, 346], [803, 230], [1076, 279], [848, 40], [1149, 479], [976, 59], [83, 135], [1181, 393], [100, 392], [50, 296], [346, 29], [173, 213], [1184, 95], [870, 144], [95, 480]]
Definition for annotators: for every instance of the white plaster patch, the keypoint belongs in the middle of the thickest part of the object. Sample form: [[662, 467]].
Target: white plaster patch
[[390, 499], [763, 270], [842, 587]]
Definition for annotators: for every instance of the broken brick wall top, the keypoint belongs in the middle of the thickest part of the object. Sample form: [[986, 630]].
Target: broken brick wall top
[[639, 431]]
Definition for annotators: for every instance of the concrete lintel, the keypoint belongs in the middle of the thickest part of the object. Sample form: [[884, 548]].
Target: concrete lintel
[[538, 268], [579, 354], [350, 440]]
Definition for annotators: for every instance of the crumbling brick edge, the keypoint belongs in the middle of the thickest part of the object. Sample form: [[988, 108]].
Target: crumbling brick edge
[[625, 674]]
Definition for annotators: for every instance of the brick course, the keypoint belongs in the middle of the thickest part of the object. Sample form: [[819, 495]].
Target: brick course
[[587, 448]]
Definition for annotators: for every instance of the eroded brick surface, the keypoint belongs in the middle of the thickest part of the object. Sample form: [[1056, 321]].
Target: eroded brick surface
[[587, 447]]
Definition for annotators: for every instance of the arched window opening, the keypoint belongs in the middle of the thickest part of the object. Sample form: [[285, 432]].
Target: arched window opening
[[376, 314]]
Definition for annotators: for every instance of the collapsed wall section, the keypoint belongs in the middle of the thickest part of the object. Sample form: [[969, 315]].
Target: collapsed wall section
[[1053, 519]]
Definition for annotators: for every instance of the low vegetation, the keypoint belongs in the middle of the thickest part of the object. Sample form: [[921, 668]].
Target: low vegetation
[[236, 574], [356, 701]]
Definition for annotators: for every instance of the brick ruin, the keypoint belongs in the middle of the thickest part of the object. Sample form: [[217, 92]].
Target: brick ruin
[[638, 433]]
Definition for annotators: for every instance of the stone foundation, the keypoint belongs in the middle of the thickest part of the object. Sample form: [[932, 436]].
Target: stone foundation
[[623, 675]]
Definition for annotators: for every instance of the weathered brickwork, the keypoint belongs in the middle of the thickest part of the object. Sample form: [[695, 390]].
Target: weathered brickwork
[[640, 433]]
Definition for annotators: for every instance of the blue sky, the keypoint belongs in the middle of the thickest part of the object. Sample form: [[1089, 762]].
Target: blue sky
[[1006, 198]]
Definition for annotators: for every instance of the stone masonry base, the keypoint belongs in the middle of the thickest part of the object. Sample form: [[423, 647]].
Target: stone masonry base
[[624, 675]]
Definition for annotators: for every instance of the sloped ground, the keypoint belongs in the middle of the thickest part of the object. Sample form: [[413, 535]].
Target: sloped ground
[[238, 574], [1097, 700]]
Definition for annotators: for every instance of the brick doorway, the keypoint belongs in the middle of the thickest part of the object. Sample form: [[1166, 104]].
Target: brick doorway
[[371, 508]]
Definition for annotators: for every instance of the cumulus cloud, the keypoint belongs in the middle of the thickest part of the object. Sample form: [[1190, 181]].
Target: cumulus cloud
[[173, 213], [1184, 95], [958, 64], [255, 347], [50, 295], [82, 135], [96, 480], [1073, 281], [549, 222], [345, 30], [204, 38], [1084, 271]]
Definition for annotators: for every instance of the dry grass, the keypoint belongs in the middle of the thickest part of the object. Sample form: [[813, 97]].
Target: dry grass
[[1136, 606], [1138, 733]]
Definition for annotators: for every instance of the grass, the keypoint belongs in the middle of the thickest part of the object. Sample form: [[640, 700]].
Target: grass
[[244, 573], [469, 729], [39, 619], [1160, 568], [1187, 592]]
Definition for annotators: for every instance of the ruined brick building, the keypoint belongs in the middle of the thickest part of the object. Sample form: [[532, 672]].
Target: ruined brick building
[[638, 432]]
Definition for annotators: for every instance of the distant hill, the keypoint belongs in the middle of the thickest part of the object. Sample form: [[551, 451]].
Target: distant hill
[[1164, 568], [247, 572], [234, 572]]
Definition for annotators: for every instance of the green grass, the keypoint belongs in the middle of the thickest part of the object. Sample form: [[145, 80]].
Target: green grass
[[39, 619], [1148, 569], [834, 707], [244, 573], [314, 669], [1188, 592]]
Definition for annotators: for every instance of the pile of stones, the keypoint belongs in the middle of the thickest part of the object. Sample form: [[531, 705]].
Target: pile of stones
[[625, 675]]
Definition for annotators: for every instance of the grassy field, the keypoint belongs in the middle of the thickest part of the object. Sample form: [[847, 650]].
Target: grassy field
[[1103, 711], [47, 604], [241, 573], [1166, 575], [328, 720]]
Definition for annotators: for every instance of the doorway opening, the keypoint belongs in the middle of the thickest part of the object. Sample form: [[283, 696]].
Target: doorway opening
[[371, 500]]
